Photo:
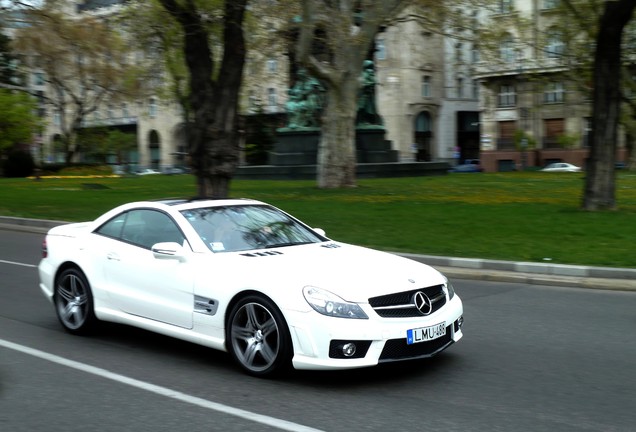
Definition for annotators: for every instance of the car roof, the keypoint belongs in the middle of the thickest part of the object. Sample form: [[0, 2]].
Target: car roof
[[190, 203], [175, 204]]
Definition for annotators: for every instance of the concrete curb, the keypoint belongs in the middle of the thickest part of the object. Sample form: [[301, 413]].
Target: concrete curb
[[29, 225], [575, 276], [528, 268]]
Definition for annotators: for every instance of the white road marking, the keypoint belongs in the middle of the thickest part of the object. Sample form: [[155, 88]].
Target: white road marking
[[163, 391], [17, 263]]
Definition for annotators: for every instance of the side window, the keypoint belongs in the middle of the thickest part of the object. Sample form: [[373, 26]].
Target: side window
[[113, 228], [142, 228], [134, 228]]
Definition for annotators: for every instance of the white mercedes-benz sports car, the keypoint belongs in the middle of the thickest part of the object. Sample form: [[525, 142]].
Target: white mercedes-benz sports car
[[245, 277]]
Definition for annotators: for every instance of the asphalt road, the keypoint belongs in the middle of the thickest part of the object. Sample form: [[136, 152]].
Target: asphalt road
[[533, 358]]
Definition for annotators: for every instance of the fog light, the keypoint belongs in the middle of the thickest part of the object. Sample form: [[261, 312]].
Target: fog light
[[460, 321], [349, 349]]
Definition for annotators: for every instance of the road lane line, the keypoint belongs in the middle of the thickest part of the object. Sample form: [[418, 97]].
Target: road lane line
[[163, 391], [17, 263]]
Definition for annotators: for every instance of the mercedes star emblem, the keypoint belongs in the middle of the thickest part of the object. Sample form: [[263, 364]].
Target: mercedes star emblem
[[422, 303]]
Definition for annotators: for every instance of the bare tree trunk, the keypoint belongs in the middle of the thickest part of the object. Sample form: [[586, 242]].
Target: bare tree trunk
[[336, 152], [213, 142], [224, 149], [630, 158], [71, 146], [600, 182]]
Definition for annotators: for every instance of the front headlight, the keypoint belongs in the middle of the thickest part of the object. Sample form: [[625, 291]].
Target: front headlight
[[329, 304], [448, 287]]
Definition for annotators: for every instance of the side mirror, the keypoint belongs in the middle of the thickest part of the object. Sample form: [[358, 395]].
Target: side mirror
[[168, 250], [320, 232]]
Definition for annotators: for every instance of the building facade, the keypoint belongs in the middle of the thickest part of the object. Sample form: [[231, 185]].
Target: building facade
[[426, 93], [533, 110], [439, 97]]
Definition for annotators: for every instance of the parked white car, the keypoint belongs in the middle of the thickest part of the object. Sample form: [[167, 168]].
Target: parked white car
[[561, 167], [148, 171], [245, 277]]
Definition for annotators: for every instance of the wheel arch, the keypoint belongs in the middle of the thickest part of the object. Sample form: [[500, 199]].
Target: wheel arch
[[240, 296], [67, 265]]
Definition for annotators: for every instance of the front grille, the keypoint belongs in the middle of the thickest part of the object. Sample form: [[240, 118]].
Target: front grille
[[400, 305], [398, 349]]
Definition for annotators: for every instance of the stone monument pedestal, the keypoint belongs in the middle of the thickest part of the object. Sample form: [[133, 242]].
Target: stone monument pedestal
[[300, 147], [295, 147], [372, 147]]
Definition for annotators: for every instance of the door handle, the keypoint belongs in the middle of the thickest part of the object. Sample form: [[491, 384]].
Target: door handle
[[112, 256]]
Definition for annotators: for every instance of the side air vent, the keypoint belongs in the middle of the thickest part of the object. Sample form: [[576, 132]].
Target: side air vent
[[331, 246], [261, 254]]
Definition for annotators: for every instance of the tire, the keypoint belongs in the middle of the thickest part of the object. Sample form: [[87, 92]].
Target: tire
[[73, 302], [258, 337]]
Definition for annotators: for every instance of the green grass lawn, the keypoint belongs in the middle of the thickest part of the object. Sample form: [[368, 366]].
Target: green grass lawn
[[530, 216]]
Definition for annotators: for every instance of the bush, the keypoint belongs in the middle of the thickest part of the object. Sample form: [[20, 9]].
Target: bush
[[19, 164]]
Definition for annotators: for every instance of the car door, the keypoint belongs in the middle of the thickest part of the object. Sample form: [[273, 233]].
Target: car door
[[138, 283]]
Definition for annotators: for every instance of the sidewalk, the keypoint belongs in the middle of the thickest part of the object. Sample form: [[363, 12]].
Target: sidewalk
[[608, 278]]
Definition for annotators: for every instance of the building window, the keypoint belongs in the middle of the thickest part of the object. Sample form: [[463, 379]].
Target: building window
[[380, 50], [475, 54], [507, 96], [554, 48], [550, 4], [458, 52], [505, 6], [587, 131], [507, 50], [152, 107], [271, 97], [475, 89], [124, 110], [40, 95], [505, 135], [426, 86], [38, 79], [554, 128], [554, 93], [272, 65], [110, 112], [57, 118], [252, 104], [460, 87]]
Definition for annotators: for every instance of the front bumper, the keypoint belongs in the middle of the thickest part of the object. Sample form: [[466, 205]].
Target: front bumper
[[377, 340]]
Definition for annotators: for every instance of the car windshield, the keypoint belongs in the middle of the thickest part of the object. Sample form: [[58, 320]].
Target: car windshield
[[246, 227]]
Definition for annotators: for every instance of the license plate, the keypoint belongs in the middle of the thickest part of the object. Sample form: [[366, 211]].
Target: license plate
[[424, 334]]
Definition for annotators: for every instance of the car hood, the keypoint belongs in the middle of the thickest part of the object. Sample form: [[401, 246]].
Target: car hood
[[352, 272]]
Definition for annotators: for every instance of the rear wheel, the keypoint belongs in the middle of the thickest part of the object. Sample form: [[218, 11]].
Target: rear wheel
[[258, 337], [74, 301]]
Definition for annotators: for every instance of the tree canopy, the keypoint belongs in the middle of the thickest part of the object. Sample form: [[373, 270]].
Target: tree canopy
[[18, 124], [84, 63]]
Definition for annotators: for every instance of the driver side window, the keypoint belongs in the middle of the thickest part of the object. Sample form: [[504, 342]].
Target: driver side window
[[142, 228]]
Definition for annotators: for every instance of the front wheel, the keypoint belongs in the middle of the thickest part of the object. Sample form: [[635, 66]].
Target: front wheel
[[74, 302], [258, 337]]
